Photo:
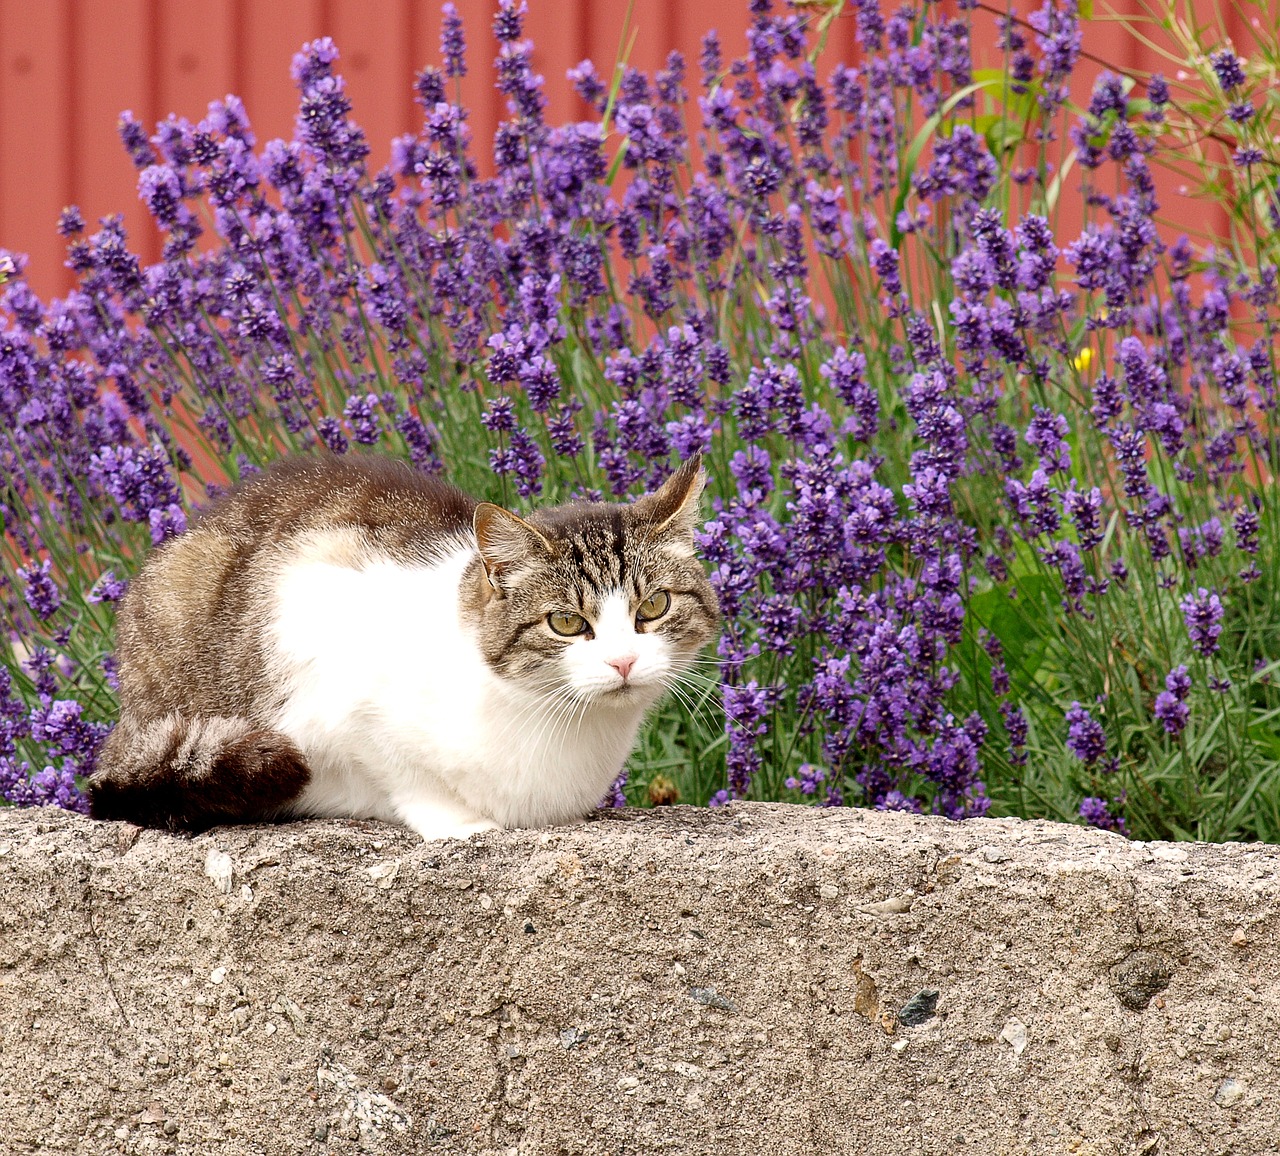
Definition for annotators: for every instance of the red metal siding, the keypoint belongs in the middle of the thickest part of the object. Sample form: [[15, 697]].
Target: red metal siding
[[69, 67]]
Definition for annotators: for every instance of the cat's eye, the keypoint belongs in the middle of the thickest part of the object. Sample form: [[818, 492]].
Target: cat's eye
[[654, 606], [566, 623]]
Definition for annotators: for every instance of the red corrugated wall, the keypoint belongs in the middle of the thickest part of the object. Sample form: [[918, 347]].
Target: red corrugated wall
[[69, 67]]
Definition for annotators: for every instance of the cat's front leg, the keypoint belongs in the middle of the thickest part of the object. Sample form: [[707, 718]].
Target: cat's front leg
[[435, 819]]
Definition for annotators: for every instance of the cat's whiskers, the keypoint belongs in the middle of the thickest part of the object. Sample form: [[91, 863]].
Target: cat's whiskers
[[692, 673], [567, 704], [686, 700], [713, 673], [576, 718], [561, 706], [680, 687], [696, 680], [536, 710]]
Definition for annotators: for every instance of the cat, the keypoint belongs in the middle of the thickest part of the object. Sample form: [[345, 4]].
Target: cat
[[345, 636]]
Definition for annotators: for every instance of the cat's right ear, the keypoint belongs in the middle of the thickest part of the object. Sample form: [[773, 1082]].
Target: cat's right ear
[[672, 510], [507, 544]]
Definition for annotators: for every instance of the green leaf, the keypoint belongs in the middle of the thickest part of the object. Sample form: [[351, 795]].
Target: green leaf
[[1266, 738], [1001, 133], [1023, 624]]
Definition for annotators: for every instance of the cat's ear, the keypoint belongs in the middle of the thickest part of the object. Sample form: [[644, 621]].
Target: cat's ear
[[507, 544], [672, 510]]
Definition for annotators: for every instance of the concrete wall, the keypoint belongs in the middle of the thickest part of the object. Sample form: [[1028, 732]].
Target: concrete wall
[[760, 979]]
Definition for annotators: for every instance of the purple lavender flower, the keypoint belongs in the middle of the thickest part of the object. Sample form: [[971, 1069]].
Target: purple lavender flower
[[1047, 432], [588, 85], [689, 435], [314, 62], [1178, 683], [39, 589], [1085, 510], [453, 43], [161, 191], [330, 431], [65, 733], [541, 382], [1058, 34], [422, 441], [895, 800], [886, 262], [1246, 526], [1065, 558], [1108, 96], [1085, 737], [616, 797], [70, 222], [322, 123], [166, 522], [753, 469], [49, 787], [846, 373], [134, 137], [1096, 812], [500, 415], [508, 22], [807, 780], [139, 480], [1203, 613], [1227, 66], [361, 414], [1158, 92], [1172, 712], [523, 460], [108, 588]]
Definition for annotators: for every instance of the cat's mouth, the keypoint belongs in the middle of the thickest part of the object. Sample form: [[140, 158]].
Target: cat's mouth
[[618, 694], [631, 691]]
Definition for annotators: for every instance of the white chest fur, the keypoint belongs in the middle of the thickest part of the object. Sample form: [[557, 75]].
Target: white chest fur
[[400, 717]]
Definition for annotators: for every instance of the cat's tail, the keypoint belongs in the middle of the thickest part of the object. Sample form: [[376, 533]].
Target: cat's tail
[[189, 774]]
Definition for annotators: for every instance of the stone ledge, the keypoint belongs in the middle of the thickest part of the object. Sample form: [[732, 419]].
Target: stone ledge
[[681, 981]]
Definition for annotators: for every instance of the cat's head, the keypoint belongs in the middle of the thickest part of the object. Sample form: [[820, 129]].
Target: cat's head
[[607, 602]]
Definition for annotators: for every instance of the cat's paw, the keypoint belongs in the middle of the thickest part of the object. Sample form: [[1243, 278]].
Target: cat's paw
[[463, 830], [435, 820]]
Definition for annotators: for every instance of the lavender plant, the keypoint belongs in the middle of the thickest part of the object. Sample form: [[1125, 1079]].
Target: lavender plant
[[993, 523]]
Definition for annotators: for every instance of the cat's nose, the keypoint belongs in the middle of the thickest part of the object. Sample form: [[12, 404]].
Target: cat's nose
[[623, 665]]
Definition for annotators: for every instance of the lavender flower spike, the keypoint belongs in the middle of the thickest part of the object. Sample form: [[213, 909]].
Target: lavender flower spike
[[1202, 612]]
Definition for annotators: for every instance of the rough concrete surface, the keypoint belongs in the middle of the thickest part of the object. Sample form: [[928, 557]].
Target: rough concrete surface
[[758, 979]]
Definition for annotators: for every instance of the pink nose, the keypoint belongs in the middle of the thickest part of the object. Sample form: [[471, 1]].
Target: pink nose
[[623, 665]]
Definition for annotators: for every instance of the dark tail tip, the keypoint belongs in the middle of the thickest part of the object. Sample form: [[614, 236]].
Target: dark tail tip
[[188, 788]]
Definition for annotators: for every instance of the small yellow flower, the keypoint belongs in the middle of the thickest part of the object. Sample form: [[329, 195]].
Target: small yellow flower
[[1083, 359]]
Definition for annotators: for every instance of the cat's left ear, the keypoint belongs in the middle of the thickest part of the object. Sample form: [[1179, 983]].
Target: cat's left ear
[[507, 544], [673, 508]]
